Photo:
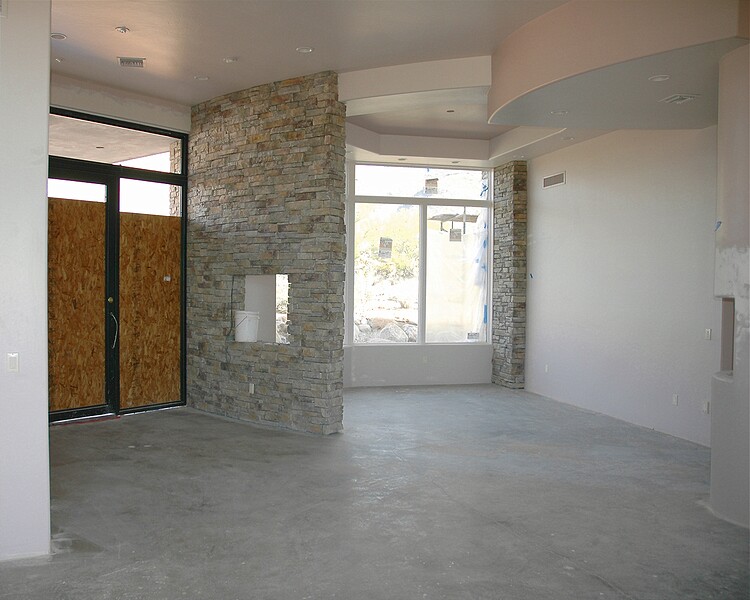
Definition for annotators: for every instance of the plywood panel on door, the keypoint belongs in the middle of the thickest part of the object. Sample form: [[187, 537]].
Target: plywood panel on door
[[76, 296], [150, 329]]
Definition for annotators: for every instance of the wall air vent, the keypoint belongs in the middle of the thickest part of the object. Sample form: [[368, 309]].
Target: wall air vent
[[552, 180], [679, 98], [130, 61]]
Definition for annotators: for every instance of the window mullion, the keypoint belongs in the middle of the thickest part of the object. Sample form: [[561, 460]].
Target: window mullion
[[349, 208], [422, 296]]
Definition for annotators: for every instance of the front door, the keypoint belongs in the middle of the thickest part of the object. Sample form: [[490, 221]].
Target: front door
[[77, 289], [115, 310], [149, 294]]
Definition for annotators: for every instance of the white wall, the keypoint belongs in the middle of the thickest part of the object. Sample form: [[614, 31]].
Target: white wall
[[24, 454], [407, 364], [730, 415], [95, 99], [622, 289]]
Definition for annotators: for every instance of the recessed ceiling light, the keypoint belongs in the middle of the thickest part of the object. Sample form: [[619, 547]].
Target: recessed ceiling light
[[122, 29], [58, 36], [201, 77], [304, 49], [658, 78], [558, 113], [230, 59]]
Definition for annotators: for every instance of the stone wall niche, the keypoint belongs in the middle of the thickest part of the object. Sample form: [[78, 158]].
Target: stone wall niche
[[266, 197], [268, 295]]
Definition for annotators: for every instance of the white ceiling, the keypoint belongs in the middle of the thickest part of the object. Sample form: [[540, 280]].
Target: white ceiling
[[467, 121], [184, 39], [84, 140]]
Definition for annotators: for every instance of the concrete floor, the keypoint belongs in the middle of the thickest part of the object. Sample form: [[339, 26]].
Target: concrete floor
[[470, 492]]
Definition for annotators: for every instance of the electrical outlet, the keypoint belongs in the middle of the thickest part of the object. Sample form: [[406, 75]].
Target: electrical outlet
[[675, 399], [13, 362], [706, 407], [546, 368], [251, 388], [707, 333]]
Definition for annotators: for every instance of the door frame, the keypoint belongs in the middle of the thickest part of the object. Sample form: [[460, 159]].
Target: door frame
[[110, 176]]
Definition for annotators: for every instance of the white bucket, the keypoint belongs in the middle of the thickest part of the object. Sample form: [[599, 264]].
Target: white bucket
[[246, 326]]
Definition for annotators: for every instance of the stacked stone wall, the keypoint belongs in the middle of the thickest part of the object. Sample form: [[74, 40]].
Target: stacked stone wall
[[175, 193], [266, 196], [509, 275]]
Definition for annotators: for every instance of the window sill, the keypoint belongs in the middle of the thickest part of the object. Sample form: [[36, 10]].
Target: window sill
[[419, 345]]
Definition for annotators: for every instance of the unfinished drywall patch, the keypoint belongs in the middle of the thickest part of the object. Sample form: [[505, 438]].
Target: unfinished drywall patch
[[730, 401], [509, 275], [267, 197]]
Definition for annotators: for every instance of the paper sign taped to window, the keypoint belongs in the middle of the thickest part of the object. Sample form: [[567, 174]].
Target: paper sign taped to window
[[386, 247], [455, 235]]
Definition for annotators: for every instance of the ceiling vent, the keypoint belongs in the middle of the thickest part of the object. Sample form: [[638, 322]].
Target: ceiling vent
[[130, 61], [552, 180], [679, 98]]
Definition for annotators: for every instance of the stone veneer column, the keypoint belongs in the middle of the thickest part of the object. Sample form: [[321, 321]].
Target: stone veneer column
[[266, 196], [509, 275]]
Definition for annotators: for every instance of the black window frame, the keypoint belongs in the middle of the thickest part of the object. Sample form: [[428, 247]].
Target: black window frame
[[71, 168]]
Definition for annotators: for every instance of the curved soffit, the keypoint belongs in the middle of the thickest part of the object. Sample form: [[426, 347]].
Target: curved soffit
[[583, 36]]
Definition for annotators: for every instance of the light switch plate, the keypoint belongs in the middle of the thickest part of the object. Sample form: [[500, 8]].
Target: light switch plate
[[13, 362]]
